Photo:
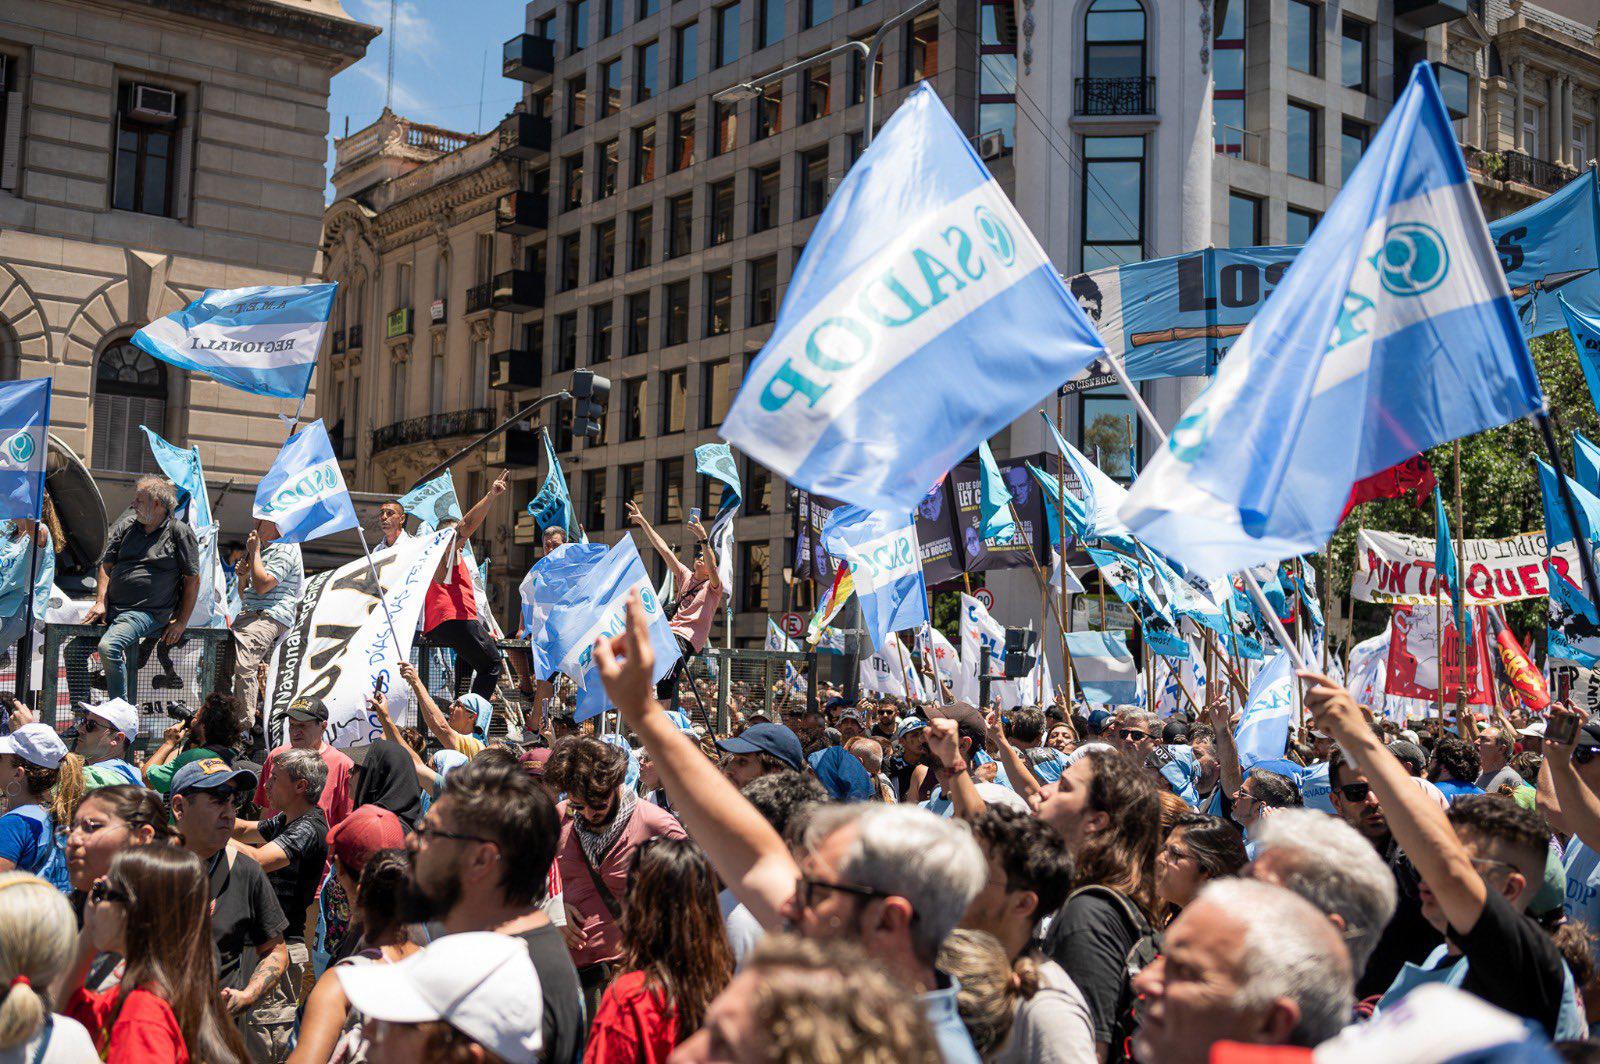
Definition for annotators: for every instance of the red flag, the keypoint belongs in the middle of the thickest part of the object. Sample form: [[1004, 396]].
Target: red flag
[[1414, 477], [1518, 668]]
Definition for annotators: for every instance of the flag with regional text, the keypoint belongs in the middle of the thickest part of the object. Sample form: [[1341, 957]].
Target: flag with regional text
[[261, 340], [885, 567], [304, 493], [1393, 332], [1263, 730], [24, 424], [922, 318]]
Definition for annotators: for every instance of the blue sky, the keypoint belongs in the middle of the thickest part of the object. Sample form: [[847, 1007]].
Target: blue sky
[[439, 64]]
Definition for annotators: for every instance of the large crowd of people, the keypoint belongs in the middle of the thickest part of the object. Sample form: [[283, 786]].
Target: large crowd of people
[[878, 880]]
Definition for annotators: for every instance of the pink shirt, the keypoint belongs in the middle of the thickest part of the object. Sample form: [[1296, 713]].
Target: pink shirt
[[697, 606], [336, 797]]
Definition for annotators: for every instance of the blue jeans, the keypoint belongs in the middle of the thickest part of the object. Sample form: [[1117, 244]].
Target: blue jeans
[[121, 640]]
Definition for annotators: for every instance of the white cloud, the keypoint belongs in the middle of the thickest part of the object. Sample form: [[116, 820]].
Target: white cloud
[[416, 34]]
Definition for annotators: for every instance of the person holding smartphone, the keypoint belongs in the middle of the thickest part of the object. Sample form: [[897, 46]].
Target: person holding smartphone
[[700, 594]]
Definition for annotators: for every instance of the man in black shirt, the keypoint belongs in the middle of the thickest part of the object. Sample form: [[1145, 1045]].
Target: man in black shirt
[[480, 861]]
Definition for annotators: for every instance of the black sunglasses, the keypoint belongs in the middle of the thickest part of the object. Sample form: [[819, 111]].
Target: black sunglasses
[[104, 891], [1582, 755], [1355, 792], [1132, 735]]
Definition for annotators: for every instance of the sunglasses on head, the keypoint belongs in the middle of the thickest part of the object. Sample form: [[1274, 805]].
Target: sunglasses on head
[[1355, 792]]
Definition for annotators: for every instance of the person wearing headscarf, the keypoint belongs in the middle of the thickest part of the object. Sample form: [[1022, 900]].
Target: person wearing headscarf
[[389, 779]]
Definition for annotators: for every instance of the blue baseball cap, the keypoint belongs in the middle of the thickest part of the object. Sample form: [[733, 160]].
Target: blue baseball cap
[[765, 738], [211, 774], [1098, 720]]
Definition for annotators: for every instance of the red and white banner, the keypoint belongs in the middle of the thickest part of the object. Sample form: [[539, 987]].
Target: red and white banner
[[1415, 657], [1398, 569]]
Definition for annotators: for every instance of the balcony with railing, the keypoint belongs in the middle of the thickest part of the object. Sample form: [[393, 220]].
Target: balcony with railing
[[1517, 167], [435, 138], [524, 136], [480, 297], [354, 341], [1115, 96], [528, 58], [522, 213], [432, 427], [338, 341]]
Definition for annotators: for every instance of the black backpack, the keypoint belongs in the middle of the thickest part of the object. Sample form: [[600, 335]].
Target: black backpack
[[1146, 946]]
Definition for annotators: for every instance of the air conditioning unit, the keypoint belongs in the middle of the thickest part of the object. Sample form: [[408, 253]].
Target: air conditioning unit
[[149, 103], [991, 145]]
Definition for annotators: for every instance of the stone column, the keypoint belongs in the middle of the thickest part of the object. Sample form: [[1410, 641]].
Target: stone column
[[1518, 77]]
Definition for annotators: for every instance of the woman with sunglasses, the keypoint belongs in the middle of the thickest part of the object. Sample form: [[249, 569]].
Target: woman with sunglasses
[[154, 908], [675, 956], [1197, 850]]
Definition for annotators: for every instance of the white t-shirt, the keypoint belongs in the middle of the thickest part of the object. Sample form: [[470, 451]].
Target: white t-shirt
[[69, 1044], [743, 930]]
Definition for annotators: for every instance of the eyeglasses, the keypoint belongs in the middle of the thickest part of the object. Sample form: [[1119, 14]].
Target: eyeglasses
[[806, 888], [104, 891], [1355, 792], [1133, 736], [1584, 754], [424, 832]]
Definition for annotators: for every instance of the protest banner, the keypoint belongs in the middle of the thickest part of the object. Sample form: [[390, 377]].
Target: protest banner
[[1416, 653], [1398, 569]]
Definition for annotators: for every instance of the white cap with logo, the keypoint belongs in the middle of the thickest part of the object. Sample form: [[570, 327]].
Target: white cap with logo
[[37, 744], [482, 984]]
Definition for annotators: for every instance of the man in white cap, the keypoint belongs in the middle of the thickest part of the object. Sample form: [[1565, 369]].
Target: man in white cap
[[479, 983], [106, 734]]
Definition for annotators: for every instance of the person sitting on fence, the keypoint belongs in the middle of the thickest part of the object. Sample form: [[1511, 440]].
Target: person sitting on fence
[[149, 578], [106, 734], [16, 559], [271, 577], [450, 610], [700, 595]]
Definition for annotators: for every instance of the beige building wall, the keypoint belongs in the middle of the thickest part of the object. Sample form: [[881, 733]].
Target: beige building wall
[[77, 275]]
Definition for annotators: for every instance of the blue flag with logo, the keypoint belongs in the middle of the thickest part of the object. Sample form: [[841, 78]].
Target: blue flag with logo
[[994, 498], [1585, 331], [716, 460], [24, 424], [261, 340], [1099, 497], [885, 565], [922, 318], [552, 507], [304, 493], [588, 601], [1574, 625], [432, 502], [1549, 252], [1586, 462], [1392, 332], [183, 468], [1263, 731]]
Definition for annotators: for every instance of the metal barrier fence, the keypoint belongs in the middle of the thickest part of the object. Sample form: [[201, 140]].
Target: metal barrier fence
[[752, 680]]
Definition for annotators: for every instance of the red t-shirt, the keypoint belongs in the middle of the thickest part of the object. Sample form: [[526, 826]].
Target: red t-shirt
[[633, 1025], [450, 599], [145, 1031]]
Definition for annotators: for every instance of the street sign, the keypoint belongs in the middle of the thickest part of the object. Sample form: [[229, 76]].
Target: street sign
[[985, 596], [793, 625]]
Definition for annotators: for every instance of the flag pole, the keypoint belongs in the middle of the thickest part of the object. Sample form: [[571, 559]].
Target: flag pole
[[24, 654], [384, 602], [1460, 598]]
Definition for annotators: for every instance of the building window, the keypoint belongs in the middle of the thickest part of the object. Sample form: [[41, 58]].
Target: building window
[[1305, 35], [858, 74], [648, 7], [725, 123], [814, 101], [577, 101], [1244, 220], [633, 400], [753, 576], [1582, 134], [605, 250], [611, 17], [566, 353], [578, 25], [674, 401], [1533, 130], [130, 389], [646, 58], [817, 12], [644, 154], [610, 87], [1354, 54], [727, 23], [677, 314], [1298, 225], [1113, 213], [764, 198], [570, 272], [997, 109], [600, 332], [813, 181], [147, 149], [763, 291], [922, 48], [594, 499], [631, 478], [685, 49], [605, 179], [769, 111], [572, 182], [1353, 137], [757, 488], [1227, 75], [719, 302], [638, 323], [1302, 145], [719, 219], [680, 221], [640, 225], [545, 26], [714, 396], [1106, 430], [1113, 36], [769, 23], [683, 139], [669, 489]]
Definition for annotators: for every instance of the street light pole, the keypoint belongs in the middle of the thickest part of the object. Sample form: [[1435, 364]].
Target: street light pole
[[872, 61]]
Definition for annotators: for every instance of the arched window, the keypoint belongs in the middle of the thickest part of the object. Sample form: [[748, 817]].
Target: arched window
[[130, 389], [1113, 39], [10, 356]]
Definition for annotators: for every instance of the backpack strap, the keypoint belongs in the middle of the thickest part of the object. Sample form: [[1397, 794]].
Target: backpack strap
[[1129, 911]]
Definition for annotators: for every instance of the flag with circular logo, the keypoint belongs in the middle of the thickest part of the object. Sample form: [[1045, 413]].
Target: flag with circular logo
[[24, 421]]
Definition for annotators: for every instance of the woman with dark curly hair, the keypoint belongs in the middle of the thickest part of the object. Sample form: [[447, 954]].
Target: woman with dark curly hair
[[675, 956], [1197, 850], [212, 732]]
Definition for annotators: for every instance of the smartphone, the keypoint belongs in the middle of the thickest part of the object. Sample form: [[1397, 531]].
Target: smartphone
[[694, 514], [1562, 730]]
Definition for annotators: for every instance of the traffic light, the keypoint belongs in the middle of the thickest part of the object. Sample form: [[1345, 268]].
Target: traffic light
[[1020, 652], [589, 394]]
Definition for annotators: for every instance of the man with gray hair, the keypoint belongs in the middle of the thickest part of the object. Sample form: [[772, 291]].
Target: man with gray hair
[[894, 878], [1330, 865], [1244, 962], [149, 578]]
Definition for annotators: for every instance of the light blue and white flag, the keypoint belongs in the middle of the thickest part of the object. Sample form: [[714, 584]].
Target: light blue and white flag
[[1263, 731], [552, 507], [994, 498], [1444, 564], [716, 460], [885, 564], [553, 580], [1136, 581], [594, 606], [1574, 624], [304, 493], [24, 424], [1107, 674], [1392, 332], [262, 340], [14, 564], [432, 502], [1100, 498], [187, 474], [922, 318], [1585, 332], [1586, 462]]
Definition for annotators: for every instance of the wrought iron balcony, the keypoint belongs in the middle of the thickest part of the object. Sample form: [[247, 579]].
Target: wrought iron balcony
[[354, 342], [1116, 96], [522, 213], [1526, 170], [517, 291], [524, 136], [515, 369], [433, 427], [528, 58], [478, 297], [338, 341]]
